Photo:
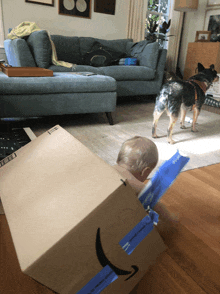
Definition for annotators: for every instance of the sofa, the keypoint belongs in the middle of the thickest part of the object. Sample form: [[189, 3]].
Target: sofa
[[98, 72], [145, 78]]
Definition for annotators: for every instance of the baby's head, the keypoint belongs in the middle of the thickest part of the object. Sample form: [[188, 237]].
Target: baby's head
[[139, 156]]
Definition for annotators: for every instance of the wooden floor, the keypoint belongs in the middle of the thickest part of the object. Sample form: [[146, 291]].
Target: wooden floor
[[192, 262]]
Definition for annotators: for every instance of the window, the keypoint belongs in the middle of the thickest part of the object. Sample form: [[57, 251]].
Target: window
[[157, 11]]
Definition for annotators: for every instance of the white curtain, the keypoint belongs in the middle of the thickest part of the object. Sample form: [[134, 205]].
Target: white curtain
[[174, 41], [1, 27], [136, 20]]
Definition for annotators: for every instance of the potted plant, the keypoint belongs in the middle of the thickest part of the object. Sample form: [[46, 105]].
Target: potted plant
[[154, 35]]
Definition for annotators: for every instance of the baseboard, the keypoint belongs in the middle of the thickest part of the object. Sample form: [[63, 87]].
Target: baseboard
[[211, 109]]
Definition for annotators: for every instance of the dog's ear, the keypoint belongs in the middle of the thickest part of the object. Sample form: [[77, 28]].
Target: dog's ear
[[200, 67], [212, 67]]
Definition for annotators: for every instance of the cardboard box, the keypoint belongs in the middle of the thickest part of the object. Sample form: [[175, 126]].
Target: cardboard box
[[69, 213]]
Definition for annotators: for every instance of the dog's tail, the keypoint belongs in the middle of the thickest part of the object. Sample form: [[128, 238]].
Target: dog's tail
[[161, 100]]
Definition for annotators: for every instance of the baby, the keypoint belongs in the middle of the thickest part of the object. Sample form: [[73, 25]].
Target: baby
[[137, 157]]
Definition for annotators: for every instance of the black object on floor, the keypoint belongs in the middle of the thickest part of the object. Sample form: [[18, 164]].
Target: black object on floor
[[11, 140]]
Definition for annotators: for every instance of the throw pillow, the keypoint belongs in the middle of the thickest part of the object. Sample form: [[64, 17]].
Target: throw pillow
[[40, 46], [117, 45], [101, 55], [98, 57], [129, 47]]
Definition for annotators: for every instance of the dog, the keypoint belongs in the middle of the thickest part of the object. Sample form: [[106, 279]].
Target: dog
[[176, 96]]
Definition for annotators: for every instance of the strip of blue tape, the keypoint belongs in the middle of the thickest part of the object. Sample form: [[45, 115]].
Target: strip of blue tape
[[162, 179], [139, 232], [95, 286]]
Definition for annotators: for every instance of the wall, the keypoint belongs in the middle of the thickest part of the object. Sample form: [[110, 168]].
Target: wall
[[193, 21], [47, 17]]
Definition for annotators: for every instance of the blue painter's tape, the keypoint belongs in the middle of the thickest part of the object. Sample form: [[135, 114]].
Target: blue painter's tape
[[154, 216], [139, 232], [162, 179], [104, 278]]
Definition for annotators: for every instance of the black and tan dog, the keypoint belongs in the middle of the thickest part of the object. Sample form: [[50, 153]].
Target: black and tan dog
[[176, 95]]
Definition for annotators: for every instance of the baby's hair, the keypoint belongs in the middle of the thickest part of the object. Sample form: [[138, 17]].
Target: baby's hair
[[138, 153]]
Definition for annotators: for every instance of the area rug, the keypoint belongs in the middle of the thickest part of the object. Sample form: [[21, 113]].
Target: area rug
[[134, 118]]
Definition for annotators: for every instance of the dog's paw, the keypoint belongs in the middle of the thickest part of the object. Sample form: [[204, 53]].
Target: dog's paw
[[194, 130], [170, 141], [182, 127]]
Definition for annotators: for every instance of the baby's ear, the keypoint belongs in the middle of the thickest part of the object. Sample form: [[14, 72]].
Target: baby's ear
[[145, 172]]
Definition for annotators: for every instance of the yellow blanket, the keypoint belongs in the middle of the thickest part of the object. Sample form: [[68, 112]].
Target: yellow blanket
[[25, 29]]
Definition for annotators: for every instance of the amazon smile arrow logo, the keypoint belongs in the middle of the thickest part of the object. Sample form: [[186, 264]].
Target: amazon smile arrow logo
[[104, 260]]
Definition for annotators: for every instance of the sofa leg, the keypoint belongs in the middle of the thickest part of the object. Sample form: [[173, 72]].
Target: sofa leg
[[109, 117]]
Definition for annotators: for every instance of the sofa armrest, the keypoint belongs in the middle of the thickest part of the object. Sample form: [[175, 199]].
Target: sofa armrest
[[162, 56], [18, 53], [160, 67], [149, 55]]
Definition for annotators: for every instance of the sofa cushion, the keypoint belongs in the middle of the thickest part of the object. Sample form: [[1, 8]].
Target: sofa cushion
[[116, 45], [129, 46], [86, 44], [101, 55], [78, 68], [18, 53], [40, 46], [59, 83], [129, 73], [67, 48]]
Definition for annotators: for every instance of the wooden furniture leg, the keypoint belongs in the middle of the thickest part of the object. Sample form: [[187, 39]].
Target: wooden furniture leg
[[109, 117]]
